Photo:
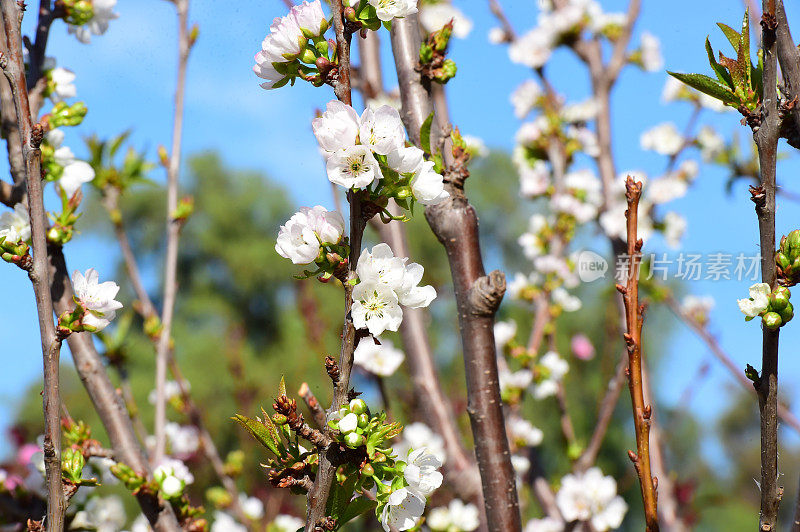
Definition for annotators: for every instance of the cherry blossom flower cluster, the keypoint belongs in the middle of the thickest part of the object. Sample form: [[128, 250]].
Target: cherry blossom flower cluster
[[385, 283], [563, 24], [172, 477], [296, 45], [401, 505], [314, 235], [773, 306], [369, 153]]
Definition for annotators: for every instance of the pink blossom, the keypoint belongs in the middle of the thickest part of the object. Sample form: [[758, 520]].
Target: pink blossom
[[582, 347], [25, 453]]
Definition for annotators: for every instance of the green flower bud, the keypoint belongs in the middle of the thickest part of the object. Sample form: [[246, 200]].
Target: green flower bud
[[447, 72], [793, 240], [354, 440], [363, 420], [795, 264], [307, 56], [358, 406], [787, 313], [425, 53], [782, 260], [367, 470], [219, 496], [772, 320], [72, 463], [778, 301], [279, 419]]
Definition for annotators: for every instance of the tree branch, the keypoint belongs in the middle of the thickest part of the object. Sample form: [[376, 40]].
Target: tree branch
[[766, 139], [634, 316], [173, 231], [30, 137], [477, 295], [326, 472]]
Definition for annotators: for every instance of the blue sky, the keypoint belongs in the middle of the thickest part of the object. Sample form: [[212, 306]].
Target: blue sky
[[127, 77]]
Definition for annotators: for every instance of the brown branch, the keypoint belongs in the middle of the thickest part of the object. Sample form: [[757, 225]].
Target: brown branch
[[461, 468], [173, 231], [317, 412], [796, 521], [766, 139], [634, 316], [105, 398], [326, 472], [455, 224], [30, 137], [604, 414]]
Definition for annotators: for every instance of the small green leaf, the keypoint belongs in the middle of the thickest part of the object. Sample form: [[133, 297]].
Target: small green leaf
[[732, 35], [259, 432], [282, 387], [357, 507], [743, 52], [722, 74], [425, 134], [708, 86], [757, 75]]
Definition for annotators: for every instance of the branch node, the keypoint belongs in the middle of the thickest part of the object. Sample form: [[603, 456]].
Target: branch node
[[486, 293]]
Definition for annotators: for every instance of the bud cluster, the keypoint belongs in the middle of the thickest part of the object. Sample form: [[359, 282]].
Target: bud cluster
[[773, 306], [433, 64], [788, 259]]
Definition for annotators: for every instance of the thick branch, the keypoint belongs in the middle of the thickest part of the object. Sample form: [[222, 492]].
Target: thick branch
[[766, 138], [789, 59], [455, 224]]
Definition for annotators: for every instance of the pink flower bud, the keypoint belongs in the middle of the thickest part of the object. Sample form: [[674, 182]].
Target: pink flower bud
[[582, 347]]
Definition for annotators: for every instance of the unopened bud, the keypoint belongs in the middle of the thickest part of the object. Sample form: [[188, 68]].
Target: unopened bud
[[72, 463], [778, 300], [193, 34], [367, 470], [354, 440], [425, 53], [363, 420], [350, 14], [786, 313], [772, 320], [279, 419], [447, 72], [163, 156], [308, 56], [358, 406], [793, 239], [782, 261], [348, 423]]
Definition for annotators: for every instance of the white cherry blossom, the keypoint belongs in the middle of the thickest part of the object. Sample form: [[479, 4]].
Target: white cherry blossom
[[422, 472], [525, 97], [523, 433], [402, 511], [96, 298], [591, 497], [434, 16], [287, 523], [663, 138], [103, 13], [426, 185], [534, 48], [64, 88], [337, 128], [375, 307], [310, 18], [418, 435], [389, 9], [504, 332], [382, 130], [15, 225], [455, 517], [353, 167], [546, 524], [758, 301], [652, 60], [674, 228], [379, 359]]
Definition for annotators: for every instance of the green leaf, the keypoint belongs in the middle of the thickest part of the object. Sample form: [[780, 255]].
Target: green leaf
[[340, 498], [732, 35], [708, 86], [425, 134], [260, 432], [282, 387], [722, 74], [116, 143], [757, 75], [743, 52], [358, 507]]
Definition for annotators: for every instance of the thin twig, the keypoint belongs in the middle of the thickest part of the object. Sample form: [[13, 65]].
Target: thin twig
[[173, 231], [318, 494], [317, 412], [634, 314], [30, 138]]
